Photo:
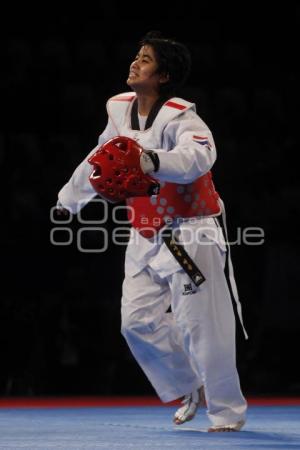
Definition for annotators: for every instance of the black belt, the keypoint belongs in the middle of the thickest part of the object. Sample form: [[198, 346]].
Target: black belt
[[182, 257]]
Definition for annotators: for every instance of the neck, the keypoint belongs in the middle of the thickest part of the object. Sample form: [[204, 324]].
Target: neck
[[145, 103]]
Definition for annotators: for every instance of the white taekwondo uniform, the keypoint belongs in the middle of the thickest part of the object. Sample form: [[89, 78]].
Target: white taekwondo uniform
[[195, 343]]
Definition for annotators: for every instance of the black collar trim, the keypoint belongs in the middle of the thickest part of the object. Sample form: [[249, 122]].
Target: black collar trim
[[135, 125]]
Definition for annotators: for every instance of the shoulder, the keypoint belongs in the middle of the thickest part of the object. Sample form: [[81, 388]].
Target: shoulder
[[179, 104], [118, 106], [123, 97], [175, 108], [185, 119], [120, 103]]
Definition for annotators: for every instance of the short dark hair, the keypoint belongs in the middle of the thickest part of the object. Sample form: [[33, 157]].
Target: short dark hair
[[173, 59]]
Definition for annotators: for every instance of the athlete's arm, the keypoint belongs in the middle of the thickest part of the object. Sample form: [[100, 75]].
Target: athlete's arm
[[78, 191], [192, 150]]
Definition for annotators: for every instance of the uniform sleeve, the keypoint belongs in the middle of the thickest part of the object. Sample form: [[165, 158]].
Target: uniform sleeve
[[78, 191], [192, 150]]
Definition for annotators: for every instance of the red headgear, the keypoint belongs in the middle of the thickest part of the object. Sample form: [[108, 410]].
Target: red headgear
[[117, 173]]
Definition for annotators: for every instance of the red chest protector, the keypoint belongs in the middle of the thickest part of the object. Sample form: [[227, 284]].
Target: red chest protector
[[198, 199]]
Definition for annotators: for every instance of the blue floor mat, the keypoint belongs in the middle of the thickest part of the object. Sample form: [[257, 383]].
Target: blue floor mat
[[138, 428]]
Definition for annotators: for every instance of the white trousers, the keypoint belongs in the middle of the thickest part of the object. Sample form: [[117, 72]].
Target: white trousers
[[193, 345]]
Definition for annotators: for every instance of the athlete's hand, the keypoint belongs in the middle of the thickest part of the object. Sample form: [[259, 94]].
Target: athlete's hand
[[149, 161], [60, 210]]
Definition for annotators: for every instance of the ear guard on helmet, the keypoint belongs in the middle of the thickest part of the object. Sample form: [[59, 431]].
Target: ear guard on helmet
[[117, 173]]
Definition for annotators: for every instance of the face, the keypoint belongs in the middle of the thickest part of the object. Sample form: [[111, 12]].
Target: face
[[142, 72]]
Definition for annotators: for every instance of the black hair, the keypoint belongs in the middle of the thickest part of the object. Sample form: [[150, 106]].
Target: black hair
[[173, 59]]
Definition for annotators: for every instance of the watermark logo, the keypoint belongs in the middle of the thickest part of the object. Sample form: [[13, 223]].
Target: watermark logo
[[193, 231]]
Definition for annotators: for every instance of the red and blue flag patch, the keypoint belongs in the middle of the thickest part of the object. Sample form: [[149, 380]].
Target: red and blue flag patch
[[203, 140]]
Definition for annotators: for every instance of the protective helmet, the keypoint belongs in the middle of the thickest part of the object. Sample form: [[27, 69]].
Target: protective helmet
[[117, 173]]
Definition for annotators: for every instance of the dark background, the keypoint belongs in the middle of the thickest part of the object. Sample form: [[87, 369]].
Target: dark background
[[59, 315]]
